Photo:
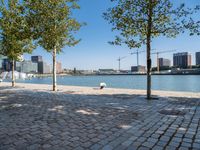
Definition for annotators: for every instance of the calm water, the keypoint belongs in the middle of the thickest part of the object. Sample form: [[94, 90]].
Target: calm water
[[170, 83]]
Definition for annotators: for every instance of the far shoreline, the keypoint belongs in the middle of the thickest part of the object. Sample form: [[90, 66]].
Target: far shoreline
[[154, 74]]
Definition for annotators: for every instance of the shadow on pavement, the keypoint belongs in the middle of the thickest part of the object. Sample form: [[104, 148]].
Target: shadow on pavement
[[42, 119]]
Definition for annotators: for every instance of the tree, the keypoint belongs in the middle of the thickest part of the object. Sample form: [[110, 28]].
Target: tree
[[53, 26], [138, 22], [14, 39]]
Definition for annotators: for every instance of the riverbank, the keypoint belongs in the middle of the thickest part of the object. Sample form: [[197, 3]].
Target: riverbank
[[96, 91]]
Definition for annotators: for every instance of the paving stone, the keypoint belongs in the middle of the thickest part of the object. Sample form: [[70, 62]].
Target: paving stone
[[48, 120], [107, 147], [161, 143], [95, 146], [170, 147], [132, 147], [196, 145], [183, 148], [165, 139], [148, 144], [157, 147], [184, 144], [143, 148]]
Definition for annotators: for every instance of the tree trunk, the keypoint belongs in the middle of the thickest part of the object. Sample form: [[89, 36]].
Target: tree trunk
[[13, 75], [148, 46], [54, 70], [148, 70]]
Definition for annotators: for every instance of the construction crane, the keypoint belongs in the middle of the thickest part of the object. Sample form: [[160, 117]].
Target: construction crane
[[137, 53], [157, 53], [119, 59]]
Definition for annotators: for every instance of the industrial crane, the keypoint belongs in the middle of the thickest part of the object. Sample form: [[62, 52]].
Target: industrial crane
[[119, 59], [137, 53], [157, 53]]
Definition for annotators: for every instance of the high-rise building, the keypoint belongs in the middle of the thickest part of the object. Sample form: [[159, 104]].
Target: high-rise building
[[163, 62], [36, 59], [182, 60], [40, 64], [7, 65], [1, 62], [29, 67], [43, 68], [58, 67], [197, 58]]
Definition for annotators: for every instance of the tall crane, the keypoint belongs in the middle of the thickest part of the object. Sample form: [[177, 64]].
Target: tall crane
[[137, 53], [157, 53], [119, 59]]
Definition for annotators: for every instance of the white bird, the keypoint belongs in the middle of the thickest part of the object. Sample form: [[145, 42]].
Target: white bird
[[102, 85]]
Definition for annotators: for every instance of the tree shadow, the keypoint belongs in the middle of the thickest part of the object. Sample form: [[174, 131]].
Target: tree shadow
[[9, 87], [71, 120]]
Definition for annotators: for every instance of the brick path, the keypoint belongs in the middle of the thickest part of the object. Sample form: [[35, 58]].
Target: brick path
[[44, 120]]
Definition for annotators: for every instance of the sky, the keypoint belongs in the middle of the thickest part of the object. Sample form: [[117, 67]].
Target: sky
[[94, 52]]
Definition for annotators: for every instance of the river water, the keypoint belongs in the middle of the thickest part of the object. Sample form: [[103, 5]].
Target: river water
[[190, 83]]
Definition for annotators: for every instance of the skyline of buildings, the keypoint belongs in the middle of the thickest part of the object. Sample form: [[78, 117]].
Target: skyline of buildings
[[27, 66], [181, 60], [35, 65]]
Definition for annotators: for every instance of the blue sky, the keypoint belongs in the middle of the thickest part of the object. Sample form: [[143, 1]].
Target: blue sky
[[94, 52]]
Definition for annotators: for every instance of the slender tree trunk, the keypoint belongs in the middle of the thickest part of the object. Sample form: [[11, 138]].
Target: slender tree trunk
[[54, 70], [148, 46], [13, 75], [148, 71]]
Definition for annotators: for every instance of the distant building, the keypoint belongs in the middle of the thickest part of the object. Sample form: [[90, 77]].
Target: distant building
[[7, 65], [58, 67], [87, 72], [106, 71], [18, 66], [138, 69], [1, 62], [163, 62], [29, 67], [197, 58], [43, 68], [182, 60], [36, 59]]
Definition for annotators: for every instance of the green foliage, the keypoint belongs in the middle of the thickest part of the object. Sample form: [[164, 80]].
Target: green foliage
[[51, 22], [13, 26], [130, 18]]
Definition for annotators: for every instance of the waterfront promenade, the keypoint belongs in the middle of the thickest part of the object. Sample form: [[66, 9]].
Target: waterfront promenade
[[33, 117]]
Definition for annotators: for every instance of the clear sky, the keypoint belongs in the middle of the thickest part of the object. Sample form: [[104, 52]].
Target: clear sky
[[94, 52]]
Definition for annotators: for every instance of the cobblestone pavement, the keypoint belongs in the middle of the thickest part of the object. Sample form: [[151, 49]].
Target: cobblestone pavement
[[59, 121]]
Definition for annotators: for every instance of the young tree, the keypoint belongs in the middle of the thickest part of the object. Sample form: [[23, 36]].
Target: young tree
[[139, 21], [14, 39], [53, 25]]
